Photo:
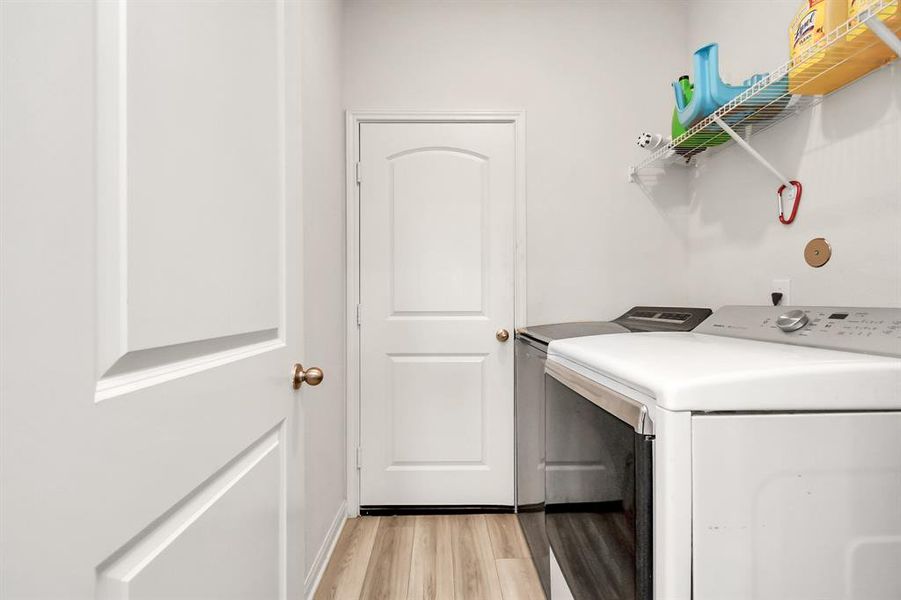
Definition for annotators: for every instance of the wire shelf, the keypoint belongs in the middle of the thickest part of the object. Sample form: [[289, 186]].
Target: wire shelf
[[848, 50]]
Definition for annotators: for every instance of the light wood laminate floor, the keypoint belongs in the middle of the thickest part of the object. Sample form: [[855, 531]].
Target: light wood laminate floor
[[442, 557]]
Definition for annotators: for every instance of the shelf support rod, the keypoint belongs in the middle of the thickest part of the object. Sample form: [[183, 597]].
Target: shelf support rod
[[754, 153], [884, 33]]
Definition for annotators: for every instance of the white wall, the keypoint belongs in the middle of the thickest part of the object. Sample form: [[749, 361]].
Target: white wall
[[591, 76], [847, 154], [323, 191]]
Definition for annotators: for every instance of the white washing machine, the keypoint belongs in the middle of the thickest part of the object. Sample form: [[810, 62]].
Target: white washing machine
[[774, 469]]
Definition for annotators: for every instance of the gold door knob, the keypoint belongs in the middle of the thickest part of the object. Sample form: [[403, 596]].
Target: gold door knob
[[311, 376], [502, 335]]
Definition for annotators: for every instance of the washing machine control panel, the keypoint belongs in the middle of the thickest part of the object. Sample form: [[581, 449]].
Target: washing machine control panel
[[870, 330]]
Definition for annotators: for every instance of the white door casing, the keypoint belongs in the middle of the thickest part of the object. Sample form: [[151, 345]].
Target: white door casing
[[437, 254], [151, 302]]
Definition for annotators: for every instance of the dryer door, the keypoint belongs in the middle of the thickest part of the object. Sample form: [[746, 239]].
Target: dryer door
[[599, 498]]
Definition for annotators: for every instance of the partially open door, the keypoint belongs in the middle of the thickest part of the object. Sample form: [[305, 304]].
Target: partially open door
[[150, 300]]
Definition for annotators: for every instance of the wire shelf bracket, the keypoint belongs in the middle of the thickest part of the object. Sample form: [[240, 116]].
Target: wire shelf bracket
[[791, 189], [888, 37], [750, 150]]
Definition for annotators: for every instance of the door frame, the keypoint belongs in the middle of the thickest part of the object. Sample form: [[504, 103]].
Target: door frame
[[354, 119]]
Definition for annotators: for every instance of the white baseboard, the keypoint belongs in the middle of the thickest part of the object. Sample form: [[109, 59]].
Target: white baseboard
[[325, 552]]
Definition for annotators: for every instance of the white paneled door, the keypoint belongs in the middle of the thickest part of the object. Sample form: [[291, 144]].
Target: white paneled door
[[436, 286], [150, 301]]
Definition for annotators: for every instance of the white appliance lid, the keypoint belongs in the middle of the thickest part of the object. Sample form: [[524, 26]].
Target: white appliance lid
[[700, 372]]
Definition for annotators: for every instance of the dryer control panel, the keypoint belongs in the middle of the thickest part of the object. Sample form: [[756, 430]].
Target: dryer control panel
[[854, 329]]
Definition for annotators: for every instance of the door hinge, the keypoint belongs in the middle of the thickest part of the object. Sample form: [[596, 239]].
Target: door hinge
[[357, 168], [359, 458], [359, 315]]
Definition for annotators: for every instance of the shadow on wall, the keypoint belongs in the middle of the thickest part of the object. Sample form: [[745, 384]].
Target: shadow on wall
[[847, 113], [666, 187], [726, 187], [733, 191]]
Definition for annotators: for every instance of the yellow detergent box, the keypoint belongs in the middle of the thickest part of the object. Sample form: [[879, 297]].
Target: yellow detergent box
[[812, 75]]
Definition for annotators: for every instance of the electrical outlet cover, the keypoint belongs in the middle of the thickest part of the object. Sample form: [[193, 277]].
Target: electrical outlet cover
[[782, 286]]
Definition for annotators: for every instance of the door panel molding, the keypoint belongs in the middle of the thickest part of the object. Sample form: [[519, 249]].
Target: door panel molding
[[408, 407], [448, 149], [115, 384], [421, 233], [354, 119], [145, 337], [117, 574]]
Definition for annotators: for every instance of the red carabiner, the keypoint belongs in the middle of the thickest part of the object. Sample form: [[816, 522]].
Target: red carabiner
[[794, 213]]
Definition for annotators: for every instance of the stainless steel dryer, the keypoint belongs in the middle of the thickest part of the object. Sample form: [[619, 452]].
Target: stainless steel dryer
[[555, 444]]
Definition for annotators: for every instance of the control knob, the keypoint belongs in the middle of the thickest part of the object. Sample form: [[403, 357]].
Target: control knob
[[793, 320]]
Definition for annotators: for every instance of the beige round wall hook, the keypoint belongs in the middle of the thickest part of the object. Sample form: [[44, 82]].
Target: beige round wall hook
[[817, 252]]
